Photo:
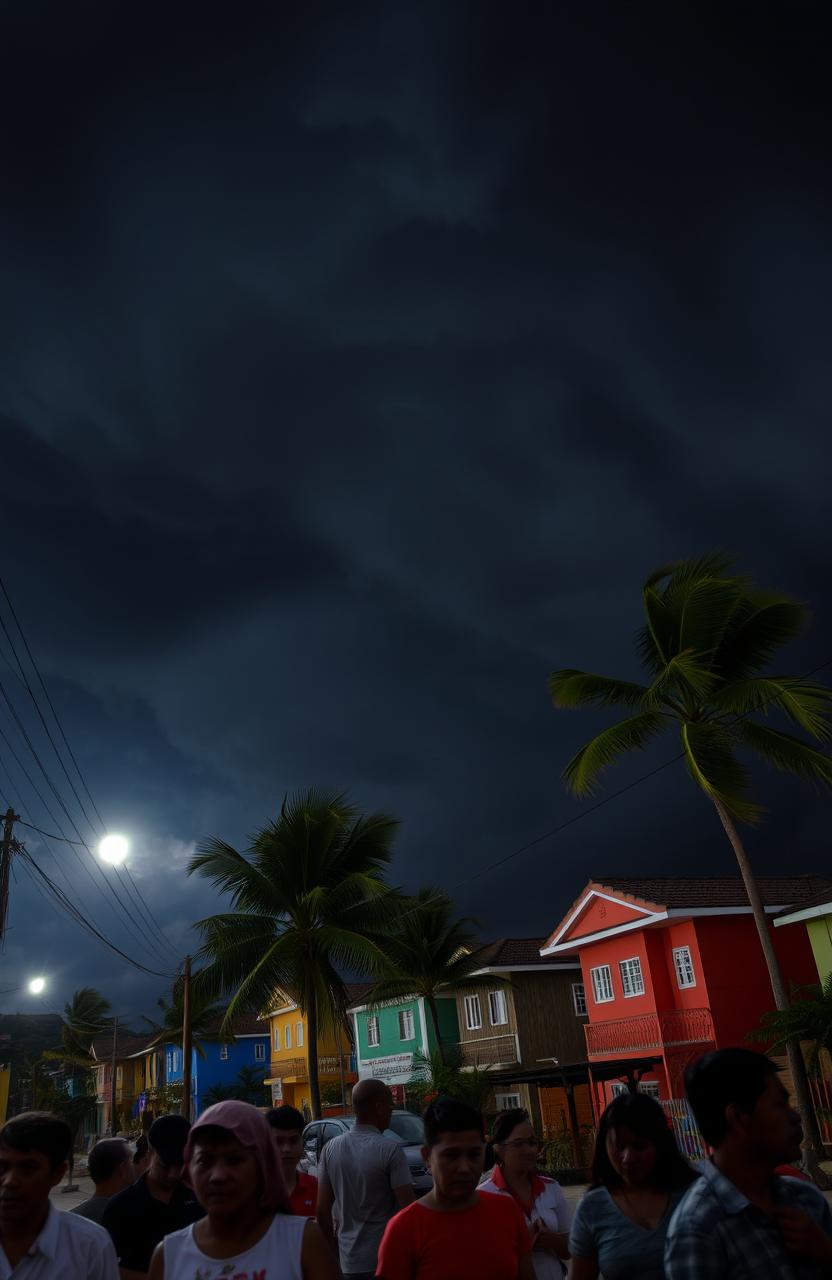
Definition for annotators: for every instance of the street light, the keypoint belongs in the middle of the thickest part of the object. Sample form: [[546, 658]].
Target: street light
[[113, 849], [36, 986]]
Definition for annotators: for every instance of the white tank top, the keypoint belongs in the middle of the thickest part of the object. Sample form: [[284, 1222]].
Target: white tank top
[[275, 1257]]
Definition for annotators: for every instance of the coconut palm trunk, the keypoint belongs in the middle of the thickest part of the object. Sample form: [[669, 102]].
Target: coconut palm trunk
[[312, 1056], [797, 1066]]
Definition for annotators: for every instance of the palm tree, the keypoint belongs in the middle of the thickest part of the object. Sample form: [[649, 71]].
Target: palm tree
[[707, 642], [206, 1016], [86, 1016], [807, 1019], [429, 951], [311, 904]]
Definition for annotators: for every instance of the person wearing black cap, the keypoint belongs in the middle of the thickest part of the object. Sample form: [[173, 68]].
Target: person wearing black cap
[[158, 1203]]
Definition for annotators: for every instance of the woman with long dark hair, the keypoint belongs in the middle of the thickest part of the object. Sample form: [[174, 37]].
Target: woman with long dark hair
[[231, 1163], [638, 1177]]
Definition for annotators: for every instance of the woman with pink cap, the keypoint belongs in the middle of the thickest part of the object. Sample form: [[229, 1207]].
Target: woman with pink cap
[[231, 1163]]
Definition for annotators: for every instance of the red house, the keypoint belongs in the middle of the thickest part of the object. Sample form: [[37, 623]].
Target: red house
[[673, 967]]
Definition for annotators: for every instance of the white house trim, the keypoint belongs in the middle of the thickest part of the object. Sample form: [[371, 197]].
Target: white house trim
[[573, 943], [581, 907], [687, 912], [808, 913], [525, 968]]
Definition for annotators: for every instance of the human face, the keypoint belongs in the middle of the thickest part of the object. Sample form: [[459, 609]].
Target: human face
[[455, 1162], [289, 1143], [26, 1178], [225, 1176], [518, 1153], [166, 1176], [773, 1130], [632, 1157]]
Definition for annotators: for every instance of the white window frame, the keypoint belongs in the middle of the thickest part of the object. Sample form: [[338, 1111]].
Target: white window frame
[[287, 1036], [507, 1101], [499, 998], [579, 999], [473, 1013], [373, 1032], [683, 964], [630, 991], [602, 989], [650, 1088], [223, 1053], [407, 1025], [299, 1035], [277, 1039], [259, 1052]]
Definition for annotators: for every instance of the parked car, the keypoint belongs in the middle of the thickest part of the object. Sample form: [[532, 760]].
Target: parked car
[[406, 1128]]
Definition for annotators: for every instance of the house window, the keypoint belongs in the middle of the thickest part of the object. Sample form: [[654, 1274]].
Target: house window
[[277, 1039], [223, 1053], [299, 1034], [373, 1037], [287, 1036], [683, 964], [259, 1053], [473, 1013], [602, 984], [406, 1031], [579, 999], [497, 1008], [507, 1101], [632, 981], [650, 1087], [169, 1062]]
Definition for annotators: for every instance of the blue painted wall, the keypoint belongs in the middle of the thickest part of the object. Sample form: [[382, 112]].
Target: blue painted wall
[[215, 1069]]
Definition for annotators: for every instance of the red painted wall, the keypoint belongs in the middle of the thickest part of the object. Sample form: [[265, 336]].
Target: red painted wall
[[621, 947], [599, 915]]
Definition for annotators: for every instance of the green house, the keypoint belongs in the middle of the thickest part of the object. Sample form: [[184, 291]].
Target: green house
[[393, 1039], [817, 917]]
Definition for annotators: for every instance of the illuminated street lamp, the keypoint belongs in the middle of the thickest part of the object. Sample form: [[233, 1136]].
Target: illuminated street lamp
[[36, 986], [113, 849]]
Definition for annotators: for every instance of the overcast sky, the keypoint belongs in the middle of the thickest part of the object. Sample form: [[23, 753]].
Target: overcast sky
[[358, 363]]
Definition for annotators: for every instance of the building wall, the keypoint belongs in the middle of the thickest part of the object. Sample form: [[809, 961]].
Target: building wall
[[820, 939], [546, 1020], [214, 1069], [290, 1064], [611, 952], [390, 1040], [493, 1044]]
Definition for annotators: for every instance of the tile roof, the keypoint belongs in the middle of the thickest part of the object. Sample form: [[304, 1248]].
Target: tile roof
[[508, 953], [714, 891], [102, 1047], [819, 899]]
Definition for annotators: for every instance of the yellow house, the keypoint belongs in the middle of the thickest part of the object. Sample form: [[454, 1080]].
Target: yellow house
[[290, 1048]]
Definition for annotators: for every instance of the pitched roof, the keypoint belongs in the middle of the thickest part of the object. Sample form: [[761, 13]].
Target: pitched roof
[[820, 899], [514, 953], [356, 991], [712, 891], [126, 1046]]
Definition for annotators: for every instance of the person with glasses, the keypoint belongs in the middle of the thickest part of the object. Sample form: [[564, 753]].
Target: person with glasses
[[540, 1199]]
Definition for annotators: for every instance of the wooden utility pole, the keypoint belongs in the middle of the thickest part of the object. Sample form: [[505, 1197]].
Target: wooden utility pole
[[187, 1038], [113, 1079], [7, 847]]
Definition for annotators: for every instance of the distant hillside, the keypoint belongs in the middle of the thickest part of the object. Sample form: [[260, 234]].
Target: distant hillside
[[25, 1035]]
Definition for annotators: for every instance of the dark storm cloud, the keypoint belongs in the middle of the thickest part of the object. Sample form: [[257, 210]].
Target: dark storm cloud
[[357, 364]]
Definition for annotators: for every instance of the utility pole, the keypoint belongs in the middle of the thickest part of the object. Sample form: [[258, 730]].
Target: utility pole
[[113, 1080], [187, 1049], [7, 848]]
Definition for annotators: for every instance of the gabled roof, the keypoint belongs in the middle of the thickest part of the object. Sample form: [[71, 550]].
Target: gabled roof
[[126, 1046], [517, 953], [632, 902], [820, 904]]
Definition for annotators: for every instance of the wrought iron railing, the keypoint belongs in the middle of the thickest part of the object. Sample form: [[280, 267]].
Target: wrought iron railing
[[644, 1031]]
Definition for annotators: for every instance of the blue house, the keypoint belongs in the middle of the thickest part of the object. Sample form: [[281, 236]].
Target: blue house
[[222, 1063]]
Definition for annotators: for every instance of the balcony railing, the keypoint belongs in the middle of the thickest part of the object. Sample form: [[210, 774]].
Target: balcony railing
[[490, 1051], [645, 1031], [328, 1065]]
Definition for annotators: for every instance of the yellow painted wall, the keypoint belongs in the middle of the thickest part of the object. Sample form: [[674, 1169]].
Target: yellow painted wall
[[820, 936]]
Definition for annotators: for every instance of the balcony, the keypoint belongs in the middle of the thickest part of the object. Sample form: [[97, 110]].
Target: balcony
[[490, 1051], [297, 1069], [651, 1032]]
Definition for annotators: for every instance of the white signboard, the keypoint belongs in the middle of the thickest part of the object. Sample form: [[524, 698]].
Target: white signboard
[[277, 1092], [394, 1068]]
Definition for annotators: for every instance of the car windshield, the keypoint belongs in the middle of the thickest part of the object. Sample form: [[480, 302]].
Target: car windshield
[[408, 1129]]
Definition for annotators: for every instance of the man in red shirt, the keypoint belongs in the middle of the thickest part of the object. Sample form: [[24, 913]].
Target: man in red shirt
[[287, 1126], [456, 1232]]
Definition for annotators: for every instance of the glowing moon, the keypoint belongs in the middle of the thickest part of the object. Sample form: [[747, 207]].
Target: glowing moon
[[37, 985], [113, 849]]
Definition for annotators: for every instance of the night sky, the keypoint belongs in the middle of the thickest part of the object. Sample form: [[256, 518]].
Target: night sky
[[358, 363]]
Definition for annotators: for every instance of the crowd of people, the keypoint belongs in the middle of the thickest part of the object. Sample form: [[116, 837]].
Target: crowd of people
[[225, 1197]]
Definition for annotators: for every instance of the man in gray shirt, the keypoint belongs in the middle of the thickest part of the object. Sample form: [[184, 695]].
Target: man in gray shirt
[[110, 1165], [364, 1176]]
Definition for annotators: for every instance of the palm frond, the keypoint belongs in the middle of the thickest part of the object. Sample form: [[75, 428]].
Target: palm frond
[[787, 753], [583, 769], [686, 675], [570, 688], [807, 704], [763, 623], [709, 756]]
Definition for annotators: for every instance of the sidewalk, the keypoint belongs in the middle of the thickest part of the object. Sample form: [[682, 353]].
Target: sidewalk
[[68, 1199]]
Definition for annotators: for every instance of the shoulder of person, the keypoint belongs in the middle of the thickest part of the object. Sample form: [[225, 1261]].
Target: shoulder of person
[[806, 1195], [84, 1228], [592, 1203], [490, 1188]]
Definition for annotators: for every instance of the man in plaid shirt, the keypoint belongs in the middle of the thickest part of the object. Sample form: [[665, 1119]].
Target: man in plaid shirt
[[739, 1220]]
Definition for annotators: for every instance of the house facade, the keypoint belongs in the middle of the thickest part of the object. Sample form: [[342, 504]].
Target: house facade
[[673, 967], [815, 916], [132, 1067], [392, 1040], [523, 1021], [221, 1061], [288, 1076]]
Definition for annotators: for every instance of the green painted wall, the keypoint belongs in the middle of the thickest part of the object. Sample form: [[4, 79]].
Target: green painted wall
[[448, 1022], [820, 936], [389, 1038]]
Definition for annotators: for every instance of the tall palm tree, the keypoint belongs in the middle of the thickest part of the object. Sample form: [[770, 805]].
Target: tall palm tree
[[707, 642], [206, 1015], [310, 905], [85, 1017], [429, 951]]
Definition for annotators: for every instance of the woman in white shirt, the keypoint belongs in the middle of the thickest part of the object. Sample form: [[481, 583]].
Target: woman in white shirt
[[231, 1163], [541, 1200]]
